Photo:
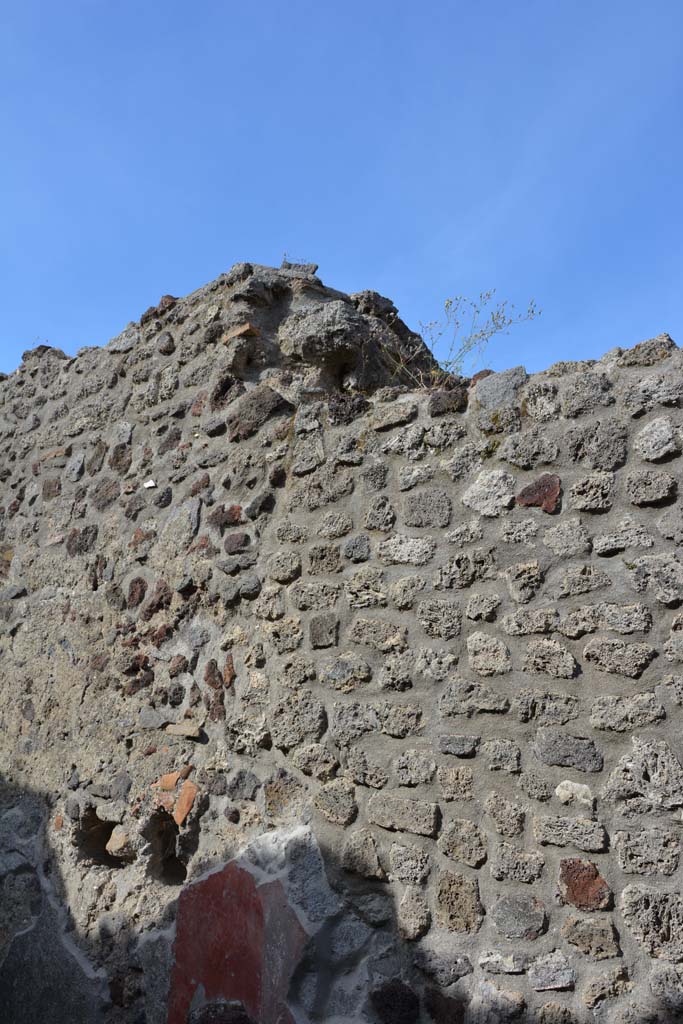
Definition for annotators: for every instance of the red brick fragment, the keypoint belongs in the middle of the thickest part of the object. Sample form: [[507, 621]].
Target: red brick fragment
[[203, 544], [56, 453], [235, 542], [160, 598], [212, 676], [139, 537], [229, 671], [200, 485], [233, 515], [177, 665], [582, 885], [137, 589], [543, 493], [161, 634]]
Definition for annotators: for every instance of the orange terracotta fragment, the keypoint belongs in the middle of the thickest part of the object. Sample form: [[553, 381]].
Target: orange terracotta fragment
[[186, 798], [167, 782], [246, 330]]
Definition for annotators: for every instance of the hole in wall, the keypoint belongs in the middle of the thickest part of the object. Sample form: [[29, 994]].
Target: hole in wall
[[224, 391], [92, 837], [161, 832]]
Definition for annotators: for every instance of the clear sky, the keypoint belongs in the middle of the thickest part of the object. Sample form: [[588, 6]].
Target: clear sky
[[420, 149]]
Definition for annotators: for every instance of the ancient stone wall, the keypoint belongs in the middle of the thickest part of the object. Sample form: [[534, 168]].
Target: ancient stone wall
[[332, 689]]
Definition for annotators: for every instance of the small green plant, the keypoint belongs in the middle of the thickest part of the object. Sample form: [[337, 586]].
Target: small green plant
[[468, 325], [464, 332]]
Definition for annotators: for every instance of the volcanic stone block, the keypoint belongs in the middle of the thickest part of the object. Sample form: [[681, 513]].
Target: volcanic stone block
[[491, 494], [400, 814], [618, 657], [647, 780], [462, 840], [656, 921], [519, 917], [458, 908], [550, 830], [596, 937], [253, 410], [592, 493], [648, 851], [551, 972], [511, 864], [649, 487], [430, 508], [555, 746], [551, 658], [488, 656]]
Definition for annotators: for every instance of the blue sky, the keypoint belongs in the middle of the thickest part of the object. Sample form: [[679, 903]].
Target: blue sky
[[422, 150]]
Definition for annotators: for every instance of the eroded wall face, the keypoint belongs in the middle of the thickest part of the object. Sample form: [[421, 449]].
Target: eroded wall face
[[345, 701]]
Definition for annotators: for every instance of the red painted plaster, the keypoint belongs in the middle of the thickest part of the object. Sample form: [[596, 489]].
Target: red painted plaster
[[238, 942]]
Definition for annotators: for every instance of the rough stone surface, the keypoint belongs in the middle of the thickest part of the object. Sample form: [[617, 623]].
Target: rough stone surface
[[551, 972], [409, 864], [619, 657], [649, 487], [488, 656], [623, 714], [592, 493], [649, 779], [649, 851], [400, 814], [514, 865], [491, 494], [498, 390], [580, 832], [569, 792], [414, 916], [429, 508], [457, 900], [582, 885], [508, 817], [551, 658], [270, 612], [519, 917], [593, 936], [464, 841], [555, 746], [655, 920]]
